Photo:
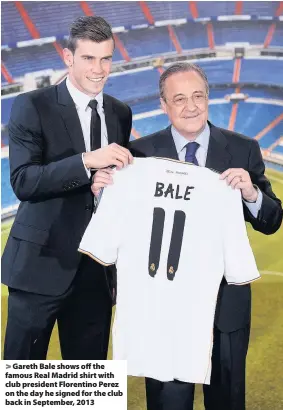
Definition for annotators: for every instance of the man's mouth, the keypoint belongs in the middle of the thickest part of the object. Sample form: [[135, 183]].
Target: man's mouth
[[190, 117], [95, 79]]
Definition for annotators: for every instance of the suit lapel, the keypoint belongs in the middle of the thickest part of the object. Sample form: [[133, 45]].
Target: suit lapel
[[111, 120], [218, 156], [164, 145], [70, 116]]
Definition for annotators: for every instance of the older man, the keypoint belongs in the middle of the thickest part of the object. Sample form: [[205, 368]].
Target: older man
[[191, 137]]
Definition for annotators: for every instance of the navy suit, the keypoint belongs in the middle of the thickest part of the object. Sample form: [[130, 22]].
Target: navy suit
[[226, 149], [41, 264]]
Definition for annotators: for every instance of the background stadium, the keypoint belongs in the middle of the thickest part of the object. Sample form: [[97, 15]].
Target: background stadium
[[240, 46]]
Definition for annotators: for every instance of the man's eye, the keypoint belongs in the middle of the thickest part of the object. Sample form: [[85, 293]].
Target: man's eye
[[179, 100]]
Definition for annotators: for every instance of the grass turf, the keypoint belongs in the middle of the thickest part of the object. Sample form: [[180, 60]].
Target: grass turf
[[264, 369]]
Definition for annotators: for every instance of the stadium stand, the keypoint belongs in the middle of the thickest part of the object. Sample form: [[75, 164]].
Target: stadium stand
[[13, 28], [147, 42], [262, 71], [20, 61], [192, 35], [158, 29]]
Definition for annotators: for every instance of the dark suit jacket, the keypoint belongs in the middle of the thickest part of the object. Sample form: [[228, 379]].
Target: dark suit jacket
[[48, 176], [226, 150]]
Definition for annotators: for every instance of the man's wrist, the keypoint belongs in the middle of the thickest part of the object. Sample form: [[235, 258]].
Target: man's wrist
[[86, 160], [253, 198]]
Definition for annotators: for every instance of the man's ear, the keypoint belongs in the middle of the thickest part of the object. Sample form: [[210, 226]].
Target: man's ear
[[68, 57], [163, 105]]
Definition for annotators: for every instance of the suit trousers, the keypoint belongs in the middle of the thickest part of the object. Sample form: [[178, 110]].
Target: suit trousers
[[227, 385], [83, 314]]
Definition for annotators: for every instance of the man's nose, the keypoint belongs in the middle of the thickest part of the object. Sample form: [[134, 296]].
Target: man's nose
[[96, 67], [190, 105]]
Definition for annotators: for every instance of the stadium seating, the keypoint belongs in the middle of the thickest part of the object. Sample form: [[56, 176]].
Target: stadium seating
[[260, 8], [277, 39], [24, 60], [13, 28], [131, 87], [140, 88], [57, 16], [192, 35], [270, 71], [146, 42], [253, 118], [253, 32], [165, 10]]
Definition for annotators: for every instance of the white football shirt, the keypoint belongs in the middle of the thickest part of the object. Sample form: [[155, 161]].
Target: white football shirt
[[173, 230]]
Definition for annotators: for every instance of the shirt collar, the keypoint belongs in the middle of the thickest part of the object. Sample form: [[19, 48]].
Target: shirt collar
[[181, 142], [81, 99]]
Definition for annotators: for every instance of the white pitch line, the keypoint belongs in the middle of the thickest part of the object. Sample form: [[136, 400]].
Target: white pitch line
[[269, 272]]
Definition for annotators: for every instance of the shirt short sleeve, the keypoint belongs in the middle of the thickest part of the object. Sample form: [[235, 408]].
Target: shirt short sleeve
[[239, 261], [102, 236]]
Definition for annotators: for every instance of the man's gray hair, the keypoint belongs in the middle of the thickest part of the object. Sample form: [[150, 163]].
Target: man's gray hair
[[180, 68]]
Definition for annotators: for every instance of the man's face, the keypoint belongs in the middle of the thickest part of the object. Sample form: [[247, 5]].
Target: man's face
[[186, 103], [90, 65]]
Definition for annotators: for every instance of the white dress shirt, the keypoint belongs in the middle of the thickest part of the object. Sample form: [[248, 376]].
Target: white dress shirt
[[81, 101], [201, 154]]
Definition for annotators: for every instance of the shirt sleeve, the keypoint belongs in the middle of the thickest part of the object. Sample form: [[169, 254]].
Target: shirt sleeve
[[239, 261], [86, 170], [102, 236], [254, 207]]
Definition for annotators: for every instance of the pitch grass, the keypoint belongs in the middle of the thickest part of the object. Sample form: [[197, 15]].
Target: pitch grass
[[264, 364]]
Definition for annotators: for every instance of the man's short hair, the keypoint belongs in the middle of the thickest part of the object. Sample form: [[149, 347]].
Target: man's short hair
[[92, 28], [180, 68]]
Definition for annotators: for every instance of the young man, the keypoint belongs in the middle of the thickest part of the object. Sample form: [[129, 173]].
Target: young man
[[57, 135], [191, 137]]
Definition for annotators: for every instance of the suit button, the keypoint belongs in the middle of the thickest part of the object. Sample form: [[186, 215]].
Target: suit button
[[88, 207]]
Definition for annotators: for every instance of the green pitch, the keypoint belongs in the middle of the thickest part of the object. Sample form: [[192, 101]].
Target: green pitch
[[264, 365]]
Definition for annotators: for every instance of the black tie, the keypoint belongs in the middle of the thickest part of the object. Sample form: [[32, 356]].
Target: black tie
[[95, 126]]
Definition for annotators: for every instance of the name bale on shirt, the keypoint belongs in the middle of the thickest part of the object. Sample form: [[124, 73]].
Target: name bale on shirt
[[174, 192]]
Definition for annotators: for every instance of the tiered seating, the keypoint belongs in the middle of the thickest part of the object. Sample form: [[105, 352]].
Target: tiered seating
[[262, 71], [13, 28], [165, 10], [130, 87], [260, 8], [53, 18], [253, 32], [119, 13], [277, 39], [192, 35], [30, 59], [219, 114], [218, 71], [216, 8], [147, 42], [253, 118], [150, 125]]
